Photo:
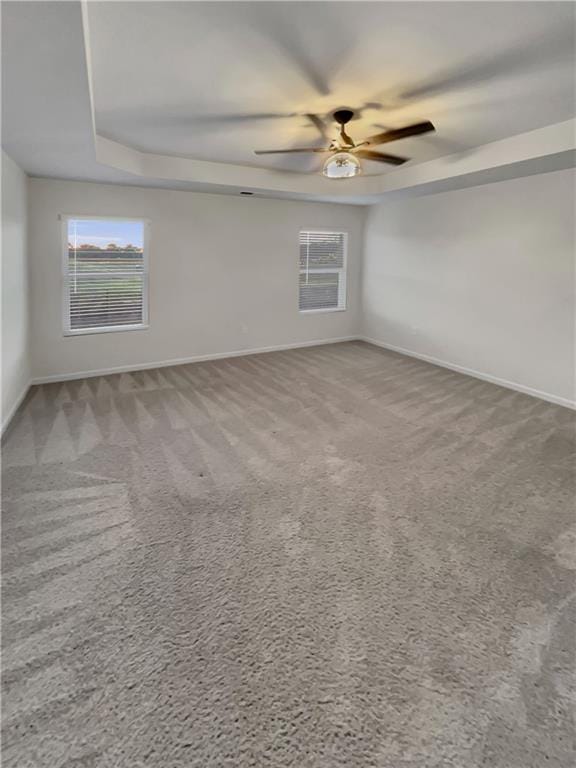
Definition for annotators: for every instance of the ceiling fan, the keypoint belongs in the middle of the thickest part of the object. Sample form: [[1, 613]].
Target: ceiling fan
[[344, 152]]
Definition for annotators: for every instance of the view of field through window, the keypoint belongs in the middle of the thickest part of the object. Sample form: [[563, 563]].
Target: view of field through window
[[106, 276]]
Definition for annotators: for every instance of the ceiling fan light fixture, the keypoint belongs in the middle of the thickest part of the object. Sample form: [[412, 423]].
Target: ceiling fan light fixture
[[342, 165]]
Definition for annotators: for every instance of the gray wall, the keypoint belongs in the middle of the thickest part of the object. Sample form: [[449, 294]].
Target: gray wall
[[223, 275], [15, 331], [481, 278]]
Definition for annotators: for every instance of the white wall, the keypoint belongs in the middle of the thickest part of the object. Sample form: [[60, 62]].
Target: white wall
[[481, 278], [15, 327], [223, 275]]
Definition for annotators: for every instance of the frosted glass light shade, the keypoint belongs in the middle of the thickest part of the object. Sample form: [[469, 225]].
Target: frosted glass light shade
[[341, 165]]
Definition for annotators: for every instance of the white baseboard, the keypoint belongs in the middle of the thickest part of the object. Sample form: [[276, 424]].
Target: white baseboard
[[12, 410], [299, 345], [476, 374], [186, 360]]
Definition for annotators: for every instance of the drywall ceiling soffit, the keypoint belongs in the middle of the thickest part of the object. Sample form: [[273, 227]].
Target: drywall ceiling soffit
[[545, 149]]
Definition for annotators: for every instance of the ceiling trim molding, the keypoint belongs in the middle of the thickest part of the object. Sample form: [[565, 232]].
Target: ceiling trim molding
[[88, 60], [147, 164], [545, 149]]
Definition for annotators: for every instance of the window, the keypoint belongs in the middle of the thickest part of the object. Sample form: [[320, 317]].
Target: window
[[322, 271], [105, 275]]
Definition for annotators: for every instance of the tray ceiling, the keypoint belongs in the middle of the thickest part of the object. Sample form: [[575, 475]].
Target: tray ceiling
[[214, 81], [179, 94]]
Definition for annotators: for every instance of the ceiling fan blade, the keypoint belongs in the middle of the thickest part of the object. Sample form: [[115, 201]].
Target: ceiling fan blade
[[239, 117], [284, 151], [539, 52], [278, 25], [398, 133], [319, 124], [380, 157]]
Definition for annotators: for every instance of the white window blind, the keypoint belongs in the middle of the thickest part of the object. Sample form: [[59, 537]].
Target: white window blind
[[105, 275], [322, 271]]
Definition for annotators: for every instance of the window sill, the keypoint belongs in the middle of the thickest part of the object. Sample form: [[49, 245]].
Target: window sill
[[106, 329], [321, 311]]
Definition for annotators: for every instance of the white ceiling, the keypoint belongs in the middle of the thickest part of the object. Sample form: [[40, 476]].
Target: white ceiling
[[183, 78]]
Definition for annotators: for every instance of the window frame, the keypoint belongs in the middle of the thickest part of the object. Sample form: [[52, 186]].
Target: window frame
[[65, 278], [342, 282]]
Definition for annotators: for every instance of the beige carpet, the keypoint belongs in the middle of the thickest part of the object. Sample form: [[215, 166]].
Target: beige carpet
[[327, 557]]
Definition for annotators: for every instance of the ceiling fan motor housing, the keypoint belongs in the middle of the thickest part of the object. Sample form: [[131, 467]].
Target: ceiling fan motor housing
[[343, 116]]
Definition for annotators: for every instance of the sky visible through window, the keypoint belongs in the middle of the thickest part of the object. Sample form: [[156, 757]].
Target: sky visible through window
[[101, 233]]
